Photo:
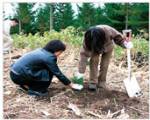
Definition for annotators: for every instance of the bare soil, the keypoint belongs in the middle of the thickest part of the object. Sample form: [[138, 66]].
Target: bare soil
[[101, 104]]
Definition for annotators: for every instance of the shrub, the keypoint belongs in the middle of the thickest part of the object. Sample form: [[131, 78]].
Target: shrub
[[73, 37]]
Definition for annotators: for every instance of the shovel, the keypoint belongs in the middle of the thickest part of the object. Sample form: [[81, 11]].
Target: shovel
[[132, 87]]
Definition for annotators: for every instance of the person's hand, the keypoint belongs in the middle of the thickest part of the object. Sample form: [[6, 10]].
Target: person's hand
[[76, 86], [128, 45]]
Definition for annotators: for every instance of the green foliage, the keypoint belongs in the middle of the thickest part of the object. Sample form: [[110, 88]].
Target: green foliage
[[100, 16], [25, 15], [115, 15], [119, 52], [77, 81], [69, 35], [63, 16], [74, 37], [138, 17], [140, 45], [42, 23], [88, 14]]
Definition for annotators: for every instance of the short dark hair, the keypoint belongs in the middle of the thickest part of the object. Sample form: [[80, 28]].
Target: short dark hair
[[15, 19], [54, 46], [94, 39]]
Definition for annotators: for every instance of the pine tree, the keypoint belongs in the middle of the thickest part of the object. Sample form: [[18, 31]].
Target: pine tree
[[116, 15], [63, 16], [42, 21], [86, 16], [100, 16], [139, 18], [25, 16]]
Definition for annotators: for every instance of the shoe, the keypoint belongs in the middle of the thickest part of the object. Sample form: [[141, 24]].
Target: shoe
[[102, 85], [23, 88], [37, 93], [92, 87]]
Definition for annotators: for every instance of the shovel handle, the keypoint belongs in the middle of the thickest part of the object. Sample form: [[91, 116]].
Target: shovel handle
[[129, 63], [127, 34]]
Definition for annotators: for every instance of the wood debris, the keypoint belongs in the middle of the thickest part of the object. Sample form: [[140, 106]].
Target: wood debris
[[75, 109], [94, 114]]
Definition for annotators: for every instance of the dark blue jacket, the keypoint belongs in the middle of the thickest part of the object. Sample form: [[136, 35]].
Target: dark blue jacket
[[39, 65]]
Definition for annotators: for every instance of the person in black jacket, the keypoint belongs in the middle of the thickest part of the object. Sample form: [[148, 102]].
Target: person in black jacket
[[34, 71]]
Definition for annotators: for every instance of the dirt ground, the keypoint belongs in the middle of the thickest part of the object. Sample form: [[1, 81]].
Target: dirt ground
[[102, 104]]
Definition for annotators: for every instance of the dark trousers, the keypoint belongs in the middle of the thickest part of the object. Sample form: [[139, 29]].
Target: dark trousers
[[32, 84]]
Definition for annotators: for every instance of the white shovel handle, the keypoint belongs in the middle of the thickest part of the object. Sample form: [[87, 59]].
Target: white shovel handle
[[129, 63]]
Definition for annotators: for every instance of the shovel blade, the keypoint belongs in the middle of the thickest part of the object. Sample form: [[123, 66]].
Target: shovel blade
[[132, 87]]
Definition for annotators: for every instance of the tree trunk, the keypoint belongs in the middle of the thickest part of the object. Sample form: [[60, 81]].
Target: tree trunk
[[19, 26], [127, 14], [51, 16]]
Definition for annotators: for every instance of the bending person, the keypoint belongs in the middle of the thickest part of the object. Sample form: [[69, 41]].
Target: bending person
[[99, 41]]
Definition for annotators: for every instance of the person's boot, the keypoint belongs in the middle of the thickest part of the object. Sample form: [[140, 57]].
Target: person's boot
[[102, 85], [23, 88], [38, 93], [92, 86]]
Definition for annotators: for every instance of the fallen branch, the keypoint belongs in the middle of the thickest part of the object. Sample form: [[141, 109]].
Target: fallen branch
[[75, 109], [117, 81], [94, 114], [115, 114], [59, 94], [120, 114], [115, 102], [141, 111]]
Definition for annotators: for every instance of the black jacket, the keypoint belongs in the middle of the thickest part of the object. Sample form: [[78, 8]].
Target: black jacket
[[39, 65]]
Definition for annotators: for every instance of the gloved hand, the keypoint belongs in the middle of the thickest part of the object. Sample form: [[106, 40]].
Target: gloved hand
[[76, 86], [128, 45]]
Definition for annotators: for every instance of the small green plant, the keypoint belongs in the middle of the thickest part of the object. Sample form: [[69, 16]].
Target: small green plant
[[77, 81]]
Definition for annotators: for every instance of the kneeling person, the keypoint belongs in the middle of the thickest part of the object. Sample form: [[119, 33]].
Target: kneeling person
[[34, 71]]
